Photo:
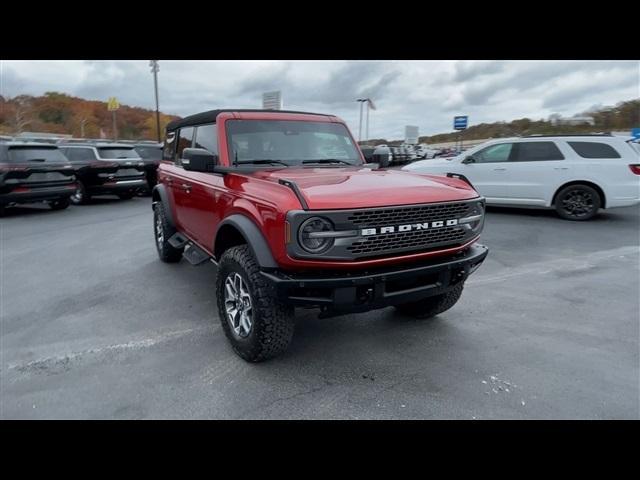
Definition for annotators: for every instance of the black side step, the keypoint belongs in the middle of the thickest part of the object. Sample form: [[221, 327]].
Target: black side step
[[177, 240], [195, 255]]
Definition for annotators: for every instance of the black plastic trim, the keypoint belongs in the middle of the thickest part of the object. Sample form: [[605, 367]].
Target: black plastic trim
[[254, 238], [161, 190], [388, 286], [292, 185]]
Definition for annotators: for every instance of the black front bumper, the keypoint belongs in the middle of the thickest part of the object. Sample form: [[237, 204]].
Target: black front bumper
[[363, 291]]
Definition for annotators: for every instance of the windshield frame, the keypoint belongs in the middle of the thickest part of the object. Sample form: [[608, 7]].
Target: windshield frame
[[244, 164]]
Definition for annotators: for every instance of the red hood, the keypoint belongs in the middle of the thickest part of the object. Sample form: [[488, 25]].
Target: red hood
[[361, 187]]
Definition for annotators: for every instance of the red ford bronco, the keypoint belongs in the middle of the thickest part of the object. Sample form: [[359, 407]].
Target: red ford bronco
[[294, 216]]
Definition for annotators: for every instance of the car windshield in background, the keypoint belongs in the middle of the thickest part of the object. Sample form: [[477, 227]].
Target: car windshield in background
[[290, 143], [150, 153], [118, 152], [34, 154]]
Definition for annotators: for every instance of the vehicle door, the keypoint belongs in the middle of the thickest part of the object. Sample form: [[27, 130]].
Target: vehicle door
[[205, 192], [178, 181], [534, 170], [487, 171]]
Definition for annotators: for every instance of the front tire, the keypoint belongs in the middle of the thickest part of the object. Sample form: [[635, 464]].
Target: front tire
[[578, 202], [255, 323], [59, 204], [432, 306], [163, 230]]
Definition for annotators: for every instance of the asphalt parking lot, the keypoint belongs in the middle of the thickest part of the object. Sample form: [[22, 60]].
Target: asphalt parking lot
[[95, 326]]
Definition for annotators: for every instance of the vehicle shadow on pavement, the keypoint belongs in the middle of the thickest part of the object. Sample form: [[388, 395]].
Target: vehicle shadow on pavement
[[29, 210], [603, 215]]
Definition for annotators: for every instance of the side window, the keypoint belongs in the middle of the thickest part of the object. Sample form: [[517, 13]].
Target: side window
[[494, 153], [169, 149], [536, 152], [185, 139], [594, 150], [207, 138]]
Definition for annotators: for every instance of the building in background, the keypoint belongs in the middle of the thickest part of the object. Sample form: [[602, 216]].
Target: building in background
[[411, 134], [272, 100]]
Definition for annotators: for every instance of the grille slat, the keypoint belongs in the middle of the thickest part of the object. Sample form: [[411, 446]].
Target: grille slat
[[417, 239], [401, 215]]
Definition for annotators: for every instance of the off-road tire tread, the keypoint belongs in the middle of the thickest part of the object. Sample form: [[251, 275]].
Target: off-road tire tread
[[273, 321], [168, 253], [432, 306]]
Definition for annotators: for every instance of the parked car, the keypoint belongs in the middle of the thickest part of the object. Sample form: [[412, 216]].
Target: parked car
[[370, 153], [33, 172], [577, 175], [151, 154], [105, 169], [290, 227]]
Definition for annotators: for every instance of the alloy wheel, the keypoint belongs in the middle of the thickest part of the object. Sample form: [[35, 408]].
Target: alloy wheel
[[237, 303]]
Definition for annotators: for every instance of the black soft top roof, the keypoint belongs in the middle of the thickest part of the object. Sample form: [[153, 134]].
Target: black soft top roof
[[211, 115]]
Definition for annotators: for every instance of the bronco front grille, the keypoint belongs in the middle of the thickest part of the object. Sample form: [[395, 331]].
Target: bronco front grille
[[390, 216], [419, 239], [382, 231]]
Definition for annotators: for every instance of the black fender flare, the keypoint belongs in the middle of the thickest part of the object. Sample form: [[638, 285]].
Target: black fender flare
[[160, 194], [254, 238]]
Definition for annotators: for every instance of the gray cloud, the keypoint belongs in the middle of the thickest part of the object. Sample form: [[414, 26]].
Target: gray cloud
[[420, 93]]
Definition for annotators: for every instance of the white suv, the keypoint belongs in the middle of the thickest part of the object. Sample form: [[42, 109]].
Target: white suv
[[576, 175]]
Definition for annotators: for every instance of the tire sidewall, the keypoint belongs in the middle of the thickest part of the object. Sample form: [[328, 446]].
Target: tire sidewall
[[83, 190], [565, 215], [272, 322], [249, 344]]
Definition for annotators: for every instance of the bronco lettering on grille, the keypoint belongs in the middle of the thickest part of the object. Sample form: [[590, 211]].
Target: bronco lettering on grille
[[407, 228]]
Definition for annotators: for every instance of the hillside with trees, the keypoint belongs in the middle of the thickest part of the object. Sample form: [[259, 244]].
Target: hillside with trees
[[56, 112], [621, 117]]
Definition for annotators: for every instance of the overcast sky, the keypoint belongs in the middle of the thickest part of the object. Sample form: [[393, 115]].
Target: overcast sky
[[423, 93]]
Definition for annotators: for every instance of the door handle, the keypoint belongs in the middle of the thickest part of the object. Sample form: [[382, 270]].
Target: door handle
[[561, 168], [186, 187], [499, 169]]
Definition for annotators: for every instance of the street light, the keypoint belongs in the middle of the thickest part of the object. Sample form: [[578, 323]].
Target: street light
[[361, 100], [155, 68], [369, 105]]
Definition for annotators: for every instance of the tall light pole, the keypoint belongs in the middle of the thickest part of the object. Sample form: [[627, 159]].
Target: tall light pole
[[361, 100], [155, 68], [373, 107]]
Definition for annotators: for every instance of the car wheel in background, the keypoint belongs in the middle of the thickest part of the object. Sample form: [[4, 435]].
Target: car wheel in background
[[80, 196], [578, 202], [255, 323], [59, 204]]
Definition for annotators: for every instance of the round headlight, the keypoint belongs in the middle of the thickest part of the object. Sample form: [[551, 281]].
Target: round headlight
[[312, 235]]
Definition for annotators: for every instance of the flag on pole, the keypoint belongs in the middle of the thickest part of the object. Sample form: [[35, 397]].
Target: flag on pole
[[371, 105]]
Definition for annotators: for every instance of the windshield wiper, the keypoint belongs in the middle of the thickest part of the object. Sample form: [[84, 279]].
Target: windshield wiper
[[327, 160], [262, 162]]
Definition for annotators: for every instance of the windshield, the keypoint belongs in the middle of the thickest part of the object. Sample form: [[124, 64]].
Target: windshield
[[150, 153], [290, 143], [49, 155], [118, 152]]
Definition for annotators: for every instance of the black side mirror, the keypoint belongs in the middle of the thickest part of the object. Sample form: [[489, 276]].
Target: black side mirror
[[198, 160], [469, 159], [381, 156]]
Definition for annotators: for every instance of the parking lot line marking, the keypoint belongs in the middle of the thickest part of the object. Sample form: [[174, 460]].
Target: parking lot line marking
[[64, 358], [560, 264]]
